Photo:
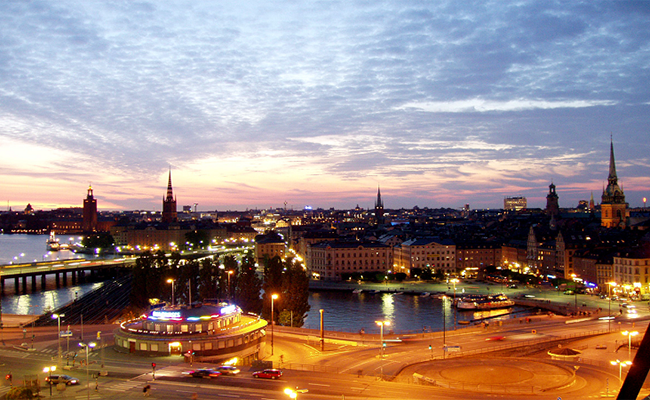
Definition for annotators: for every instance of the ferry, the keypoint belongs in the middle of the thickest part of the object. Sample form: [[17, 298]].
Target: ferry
[[487, 302], [53, 243]]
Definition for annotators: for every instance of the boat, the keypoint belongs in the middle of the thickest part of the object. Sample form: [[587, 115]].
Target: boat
[[376, 291], [425, 294], [357, 291], [487, 302], [53, 243]]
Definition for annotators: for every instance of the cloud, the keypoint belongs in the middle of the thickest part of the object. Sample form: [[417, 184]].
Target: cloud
[[480, 105]]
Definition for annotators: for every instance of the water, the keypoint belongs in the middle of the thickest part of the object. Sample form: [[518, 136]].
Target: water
[[351, 312], [17, 249]]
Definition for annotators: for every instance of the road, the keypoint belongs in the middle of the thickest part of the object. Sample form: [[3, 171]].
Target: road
[[341, 371]]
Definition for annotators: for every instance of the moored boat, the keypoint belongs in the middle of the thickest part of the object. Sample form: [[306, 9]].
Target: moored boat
[[53, 242], [487, 302]]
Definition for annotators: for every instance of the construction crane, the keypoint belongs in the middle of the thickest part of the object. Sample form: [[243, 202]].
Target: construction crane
[[195, 205]]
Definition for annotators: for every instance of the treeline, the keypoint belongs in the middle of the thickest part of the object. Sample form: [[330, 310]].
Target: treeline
[[227, 280]]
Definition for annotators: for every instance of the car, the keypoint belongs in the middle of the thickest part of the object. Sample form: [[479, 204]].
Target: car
[[56, 379], [495, 338], [228, 370], [628, 305], [268, 374], [513, 286], [204, 373]]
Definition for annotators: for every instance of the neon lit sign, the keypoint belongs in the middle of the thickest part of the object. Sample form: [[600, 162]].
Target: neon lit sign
[[166, 314]]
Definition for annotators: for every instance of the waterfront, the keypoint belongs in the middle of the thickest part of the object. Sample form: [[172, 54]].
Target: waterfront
[[21, 248], [343, 310]]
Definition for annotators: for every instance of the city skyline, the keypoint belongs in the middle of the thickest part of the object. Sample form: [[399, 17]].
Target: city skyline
[[320, 103]]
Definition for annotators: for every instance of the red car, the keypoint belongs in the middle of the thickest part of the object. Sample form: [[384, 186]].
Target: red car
[[268, 374]]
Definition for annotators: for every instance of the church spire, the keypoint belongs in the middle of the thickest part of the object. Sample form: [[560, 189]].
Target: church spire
[[612, 179], [379, 202], [170, 192]]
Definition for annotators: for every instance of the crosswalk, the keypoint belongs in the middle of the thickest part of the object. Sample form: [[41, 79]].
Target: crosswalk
[[121, 386]]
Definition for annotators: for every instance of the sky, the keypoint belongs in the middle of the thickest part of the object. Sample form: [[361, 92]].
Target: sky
[[262, 104]]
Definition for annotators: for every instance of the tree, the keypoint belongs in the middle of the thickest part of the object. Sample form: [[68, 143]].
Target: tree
[[248, 286], [295, 294], [207, 280], [101, 240], [197, 239], [273, 268]]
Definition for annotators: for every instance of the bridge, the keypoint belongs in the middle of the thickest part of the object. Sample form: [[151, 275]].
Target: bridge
[[78, 269]]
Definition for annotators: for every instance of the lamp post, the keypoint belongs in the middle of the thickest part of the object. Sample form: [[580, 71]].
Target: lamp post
[[621, 364], [230, 272], [87, 347], [444, 326], [273, 297], [381, 336], [322, 337], [49, 370], [454, 281], [58, 320], [172, 282], [609, 309], [629, 342]]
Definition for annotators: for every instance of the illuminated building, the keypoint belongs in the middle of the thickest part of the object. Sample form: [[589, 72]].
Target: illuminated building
[[434, 253], [613, 208], [207, 331], [330, 260], [514, 203], [90, 212]]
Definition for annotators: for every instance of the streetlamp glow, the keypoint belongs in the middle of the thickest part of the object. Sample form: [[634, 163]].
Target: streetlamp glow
[[273, 297], [621, 364], [172, 282], [49, 370], [381, 335], [87, 347], [629, 342]]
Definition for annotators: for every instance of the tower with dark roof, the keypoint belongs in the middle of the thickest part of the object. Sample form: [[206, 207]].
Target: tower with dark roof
[[379, 209], [552, 201], [90, 212], [613, 207], [169, 212]]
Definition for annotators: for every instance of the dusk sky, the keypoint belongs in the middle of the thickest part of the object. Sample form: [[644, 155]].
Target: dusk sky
[[254, 104]]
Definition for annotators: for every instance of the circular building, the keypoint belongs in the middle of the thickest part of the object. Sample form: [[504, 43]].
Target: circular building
[[203, 331]]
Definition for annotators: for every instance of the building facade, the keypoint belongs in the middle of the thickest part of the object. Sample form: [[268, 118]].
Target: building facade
[[331, 260]]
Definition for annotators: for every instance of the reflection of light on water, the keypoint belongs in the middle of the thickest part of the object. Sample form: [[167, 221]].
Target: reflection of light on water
[[388, 306], [490, 313]]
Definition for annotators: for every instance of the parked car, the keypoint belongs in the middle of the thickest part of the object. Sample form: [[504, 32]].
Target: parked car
[[228, 370], [204, 373], [268, 374], [56, 379]]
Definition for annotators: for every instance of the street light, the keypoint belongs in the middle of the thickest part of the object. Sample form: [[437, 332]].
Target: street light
[[621, 364], [230, 272], [454, 281], [322, 336], [49, 370], [609, 310], [444, 325], [381, 335], [273, 297], [629, 342], [172, 282], [87, 347], [58, 320]]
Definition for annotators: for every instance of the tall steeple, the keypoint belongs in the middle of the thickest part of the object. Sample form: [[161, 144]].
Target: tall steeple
[[90, 212], [169, 211], [379, 208], [613, 207]]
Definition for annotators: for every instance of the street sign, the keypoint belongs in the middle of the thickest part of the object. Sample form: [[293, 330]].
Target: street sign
[[65, 333]]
